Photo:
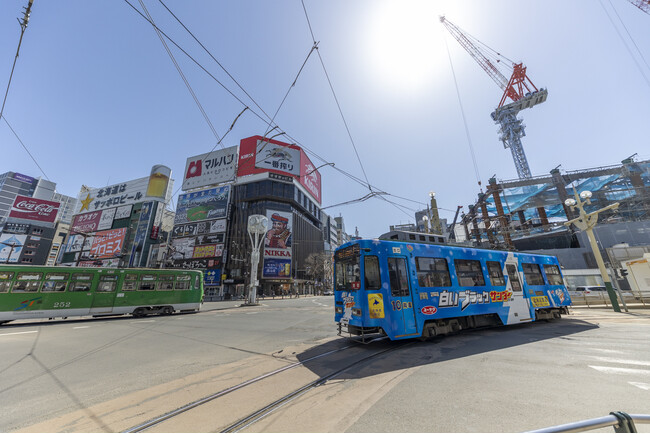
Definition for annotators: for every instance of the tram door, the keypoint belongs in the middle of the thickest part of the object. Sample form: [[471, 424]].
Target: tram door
[[402, 316], [519, 308]]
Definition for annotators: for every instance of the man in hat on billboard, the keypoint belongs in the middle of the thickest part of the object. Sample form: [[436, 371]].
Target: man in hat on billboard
[[279, 236]]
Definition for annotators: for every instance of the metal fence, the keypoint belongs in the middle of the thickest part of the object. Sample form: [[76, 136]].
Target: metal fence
[[620, 421]]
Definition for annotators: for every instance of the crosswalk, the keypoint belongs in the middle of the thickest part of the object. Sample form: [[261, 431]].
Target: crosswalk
[[635, 372]]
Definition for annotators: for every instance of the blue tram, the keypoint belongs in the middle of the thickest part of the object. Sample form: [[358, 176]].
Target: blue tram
[[411, 290]]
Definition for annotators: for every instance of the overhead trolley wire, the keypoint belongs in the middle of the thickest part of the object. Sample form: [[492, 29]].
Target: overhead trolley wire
[[645, 77], [336, 99], [462, 112], [307, 149]]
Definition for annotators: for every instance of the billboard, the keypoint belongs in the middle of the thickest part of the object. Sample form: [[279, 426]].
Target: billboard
[[23, 178], [106, 220], [85, 223], [202, 205], [277, 246], [30, 208], [11, 247], [309, 177], [211, 168], [108, 244], [200, 228], [125, 193], [257, 155]]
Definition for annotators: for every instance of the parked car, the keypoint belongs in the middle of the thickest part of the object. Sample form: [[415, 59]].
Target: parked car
[[328, 293]]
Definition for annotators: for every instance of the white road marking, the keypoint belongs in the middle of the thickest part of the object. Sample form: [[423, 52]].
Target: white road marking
[[644, 386], [621, 361], [605, 350], [81, 327], [18, 333], [611, 370]]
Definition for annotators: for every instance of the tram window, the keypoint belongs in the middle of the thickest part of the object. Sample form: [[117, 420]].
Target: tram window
[[183, 282], [82, 276], [432, 272], [79, 287], [4, 286], [515, 284], [532, 274], [6, 275], [23, 286], [399, 283], [469, 272], [165, 282], [55, 282], [129, 285], [106, 286], [131, 277], [496, 274], [553, 275], [371, 271], [27, 282], [148, 282]]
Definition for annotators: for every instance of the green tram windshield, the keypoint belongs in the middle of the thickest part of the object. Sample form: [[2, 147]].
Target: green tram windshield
[[348, 271]]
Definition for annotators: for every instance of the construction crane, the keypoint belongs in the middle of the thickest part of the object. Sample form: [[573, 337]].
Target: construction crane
[[519, 89], [644, 5]]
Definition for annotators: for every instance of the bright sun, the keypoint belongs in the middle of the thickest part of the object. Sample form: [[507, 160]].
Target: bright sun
[[404, 38]]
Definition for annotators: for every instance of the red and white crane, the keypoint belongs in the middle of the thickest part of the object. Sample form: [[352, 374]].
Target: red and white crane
[[519, 89]]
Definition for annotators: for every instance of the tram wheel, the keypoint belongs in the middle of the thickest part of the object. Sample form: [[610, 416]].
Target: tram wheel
[[167, 310], [138, 313]]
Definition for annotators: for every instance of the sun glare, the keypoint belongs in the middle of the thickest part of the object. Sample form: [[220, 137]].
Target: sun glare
[[404, 41]]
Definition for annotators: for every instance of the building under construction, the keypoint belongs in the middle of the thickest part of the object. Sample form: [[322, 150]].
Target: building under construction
[[529, 214]]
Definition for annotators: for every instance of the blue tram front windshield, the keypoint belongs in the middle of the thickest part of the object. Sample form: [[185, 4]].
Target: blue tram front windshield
[[348, 272]]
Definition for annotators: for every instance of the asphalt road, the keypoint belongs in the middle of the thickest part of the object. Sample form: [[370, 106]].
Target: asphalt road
[[77, 375]]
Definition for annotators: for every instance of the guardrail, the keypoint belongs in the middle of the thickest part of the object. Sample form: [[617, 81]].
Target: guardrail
[[620, 421], [603, 298]]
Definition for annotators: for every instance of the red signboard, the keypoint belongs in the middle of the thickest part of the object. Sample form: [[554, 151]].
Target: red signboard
[[30, 208], [107, 244], [280, 161], [86, 223], [309, 177]]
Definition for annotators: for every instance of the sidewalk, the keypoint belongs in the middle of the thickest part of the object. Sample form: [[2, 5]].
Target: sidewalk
[[232, 304], [635, 311]]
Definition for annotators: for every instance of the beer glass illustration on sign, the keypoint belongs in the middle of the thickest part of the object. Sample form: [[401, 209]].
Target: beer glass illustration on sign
[[158, 181]]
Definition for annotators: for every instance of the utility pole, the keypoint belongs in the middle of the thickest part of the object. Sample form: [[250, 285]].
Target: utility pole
[[587, 222]]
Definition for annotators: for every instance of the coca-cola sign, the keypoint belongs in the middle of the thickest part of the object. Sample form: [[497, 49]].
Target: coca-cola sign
[[29, 208]]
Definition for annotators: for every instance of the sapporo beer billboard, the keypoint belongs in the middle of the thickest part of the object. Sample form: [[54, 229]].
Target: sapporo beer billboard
[[202, 205], [277, 246], [30, 208]]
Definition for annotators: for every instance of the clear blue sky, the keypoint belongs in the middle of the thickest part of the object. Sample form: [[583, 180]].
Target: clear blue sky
[[96, 99]]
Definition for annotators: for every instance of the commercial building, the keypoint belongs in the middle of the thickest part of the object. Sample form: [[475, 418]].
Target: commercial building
[[119, 225]]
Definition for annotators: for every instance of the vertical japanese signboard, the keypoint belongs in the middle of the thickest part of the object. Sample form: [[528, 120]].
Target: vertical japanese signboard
[[277, 246], [144, 222]]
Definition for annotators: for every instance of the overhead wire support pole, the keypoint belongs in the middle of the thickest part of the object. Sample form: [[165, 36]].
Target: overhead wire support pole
[[23, 27]]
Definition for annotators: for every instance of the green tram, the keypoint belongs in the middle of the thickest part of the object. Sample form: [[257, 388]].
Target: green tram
[[28, 292]]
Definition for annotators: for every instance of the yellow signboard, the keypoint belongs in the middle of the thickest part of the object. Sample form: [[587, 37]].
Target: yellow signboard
[[540, 301], [376, 305]]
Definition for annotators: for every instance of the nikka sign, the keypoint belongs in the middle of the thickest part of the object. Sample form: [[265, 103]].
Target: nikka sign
[[29, 208]]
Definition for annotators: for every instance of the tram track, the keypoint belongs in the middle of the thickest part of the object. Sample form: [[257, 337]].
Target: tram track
[[277, 404], [200, 402]]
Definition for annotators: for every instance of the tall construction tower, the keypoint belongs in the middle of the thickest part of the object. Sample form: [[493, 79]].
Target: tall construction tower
[[519, 89]]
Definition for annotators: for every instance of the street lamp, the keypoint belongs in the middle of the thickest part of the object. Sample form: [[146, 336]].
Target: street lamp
[[587, 222], [257, 226]]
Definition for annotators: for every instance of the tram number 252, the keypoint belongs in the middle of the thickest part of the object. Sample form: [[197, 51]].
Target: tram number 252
[[62, 304], [399, 305]]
